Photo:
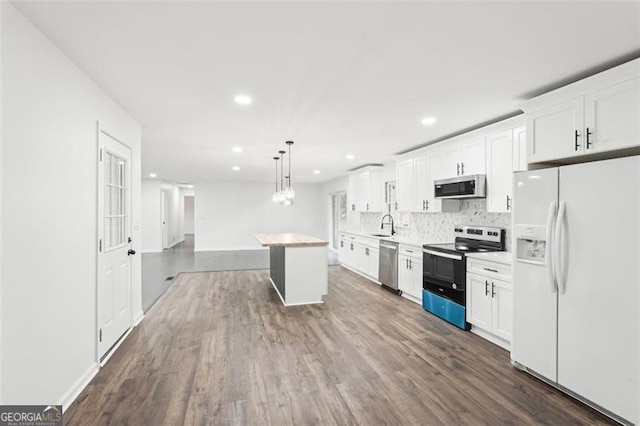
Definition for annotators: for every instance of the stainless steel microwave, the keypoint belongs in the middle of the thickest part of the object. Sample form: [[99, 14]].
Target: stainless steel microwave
[[472, 186]]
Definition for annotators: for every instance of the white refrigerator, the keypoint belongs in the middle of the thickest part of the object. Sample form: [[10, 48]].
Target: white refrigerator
[[576, 281]]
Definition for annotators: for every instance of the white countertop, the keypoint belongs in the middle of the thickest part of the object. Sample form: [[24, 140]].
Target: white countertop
[[504, 257], [412, 243]]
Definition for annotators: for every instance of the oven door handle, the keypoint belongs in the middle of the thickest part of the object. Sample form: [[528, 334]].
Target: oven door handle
[[441, 254]]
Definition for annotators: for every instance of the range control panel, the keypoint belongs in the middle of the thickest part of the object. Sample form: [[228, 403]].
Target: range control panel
[[483, 233]]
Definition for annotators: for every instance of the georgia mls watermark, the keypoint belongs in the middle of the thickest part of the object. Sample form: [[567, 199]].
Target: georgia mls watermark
[[30, 415]]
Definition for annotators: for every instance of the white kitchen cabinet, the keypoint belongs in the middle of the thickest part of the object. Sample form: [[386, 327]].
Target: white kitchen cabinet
[[464, 157], [489, 300], [555, 132], [373, 257], [500, 168], [343, 251], [420, 182], [598, 114], [410, 272], [404, 184], [520, 149], [360, 253], [611, 117], [427, 167], [366, 189]]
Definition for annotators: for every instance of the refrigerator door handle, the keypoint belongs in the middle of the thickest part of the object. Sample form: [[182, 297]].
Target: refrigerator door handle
[[556, 247], [551, 216]]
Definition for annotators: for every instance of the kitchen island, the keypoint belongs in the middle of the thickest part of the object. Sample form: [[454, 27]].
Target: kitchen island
[[298, 267]]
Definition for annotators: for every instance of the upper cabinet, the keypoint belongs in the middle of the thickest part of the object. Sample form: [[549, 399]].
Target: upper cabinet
[[404, 184], [366, 189], [414, 177], [429, 167], [598, 114], [464, 157], [505, 154], [611, 117]]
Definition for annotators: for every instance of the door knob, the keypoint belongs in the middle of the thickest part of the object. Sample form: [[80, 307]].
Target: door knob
[[131, 252]]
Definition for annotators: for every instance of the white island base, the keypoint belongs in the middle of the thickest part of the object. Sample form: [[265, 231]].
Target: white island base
[[298, 267]]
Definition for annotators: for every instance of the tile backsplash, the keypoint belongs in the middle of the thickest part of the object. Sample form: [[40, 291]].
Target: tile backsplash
[[438, 227]]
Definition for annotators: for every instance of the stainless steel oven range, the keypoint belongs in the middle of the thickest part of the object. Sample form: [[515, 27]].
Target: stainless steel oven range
[[444, 271]]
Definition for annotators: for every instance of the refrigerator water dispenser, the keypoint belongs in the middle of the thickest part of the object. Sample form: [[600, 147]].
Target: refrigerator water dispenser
[[531, 244]]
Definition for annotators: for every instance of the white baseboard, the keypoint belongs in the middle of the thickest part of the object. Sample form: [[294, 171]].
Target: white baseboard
[[491, 337], [360, 273], [291, 304], [151, 251], [71, 395], [411, 298], [138, 318], [175, 243]]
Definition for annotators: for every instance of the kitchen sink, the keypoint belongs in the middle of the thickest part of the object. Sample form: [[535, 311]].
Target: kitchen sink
[[380, 235]]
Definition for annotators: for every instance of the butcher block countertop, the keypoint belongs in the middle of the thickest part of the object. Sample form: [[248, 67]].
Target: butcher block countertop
[[289, 240]]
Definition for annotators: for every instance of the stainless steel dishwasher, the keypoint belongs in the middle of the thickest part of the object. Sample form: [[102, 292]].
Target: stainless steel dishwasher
[[388, 265]]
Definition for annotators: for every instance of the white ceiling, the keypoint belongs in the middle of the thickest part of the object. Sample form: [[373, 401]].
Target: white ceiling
[[337, 78]]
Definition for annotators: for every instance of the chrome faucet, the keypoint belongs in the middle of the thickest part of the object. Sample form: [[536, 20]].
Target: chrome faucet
[[393, 231]]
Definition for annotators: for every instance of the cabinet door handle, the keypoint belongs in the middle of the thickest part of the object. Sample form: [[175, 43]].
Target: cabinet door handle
[[493, 290], [589, 133], [427, 201], [457, 169], [406, 264], [508, 202], [341, 243], [366, 251], [367, 206], [462, 169], [410, 264], [351, 247], [353, 207], [424, 205], [396, 205], [486, 287], [576, 144]]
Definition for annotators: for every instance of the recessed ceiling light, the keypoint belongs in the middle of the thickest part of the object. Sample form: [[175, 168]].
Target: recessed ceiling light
[[428, 121], [316, 172], [350, 157], [236, 168], [152, 175], [243, 100], [237, 149]]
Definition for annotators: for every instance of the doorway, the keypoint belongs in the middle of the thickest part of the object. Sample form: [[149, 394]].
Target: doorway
[[164, 218], [114, 242], [338, 216], [189, 202]]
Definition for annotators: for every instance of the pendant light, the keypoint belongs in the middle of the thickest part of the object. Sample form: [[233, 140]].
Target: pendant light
[[276, 195], [281, 196], [289, 193]]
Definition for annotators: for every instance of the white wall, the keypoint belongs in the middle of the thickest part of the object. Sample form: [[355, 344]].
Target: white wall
[[151, 221], [174, 213], [188, 214], [49, 223], [228, 214], [1, 342]]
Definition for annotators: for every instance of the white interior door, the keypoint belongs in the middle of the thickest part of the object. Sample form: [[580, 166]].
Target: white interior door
[[114, 229], [163, 217]]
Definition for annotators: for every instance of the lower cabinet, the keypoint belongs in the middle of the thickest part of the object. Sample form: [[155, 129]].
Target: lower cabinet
[[360, 253], [489, 301], [410, 273]]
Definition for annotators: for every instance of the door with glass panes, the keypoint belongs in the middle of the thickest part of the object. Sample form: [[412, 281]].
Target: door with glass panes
[[114, 266]]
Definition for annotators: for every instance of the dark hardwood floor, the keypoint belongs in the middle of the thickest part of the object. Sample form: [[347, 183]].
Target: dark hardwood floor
[[219, 348]]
